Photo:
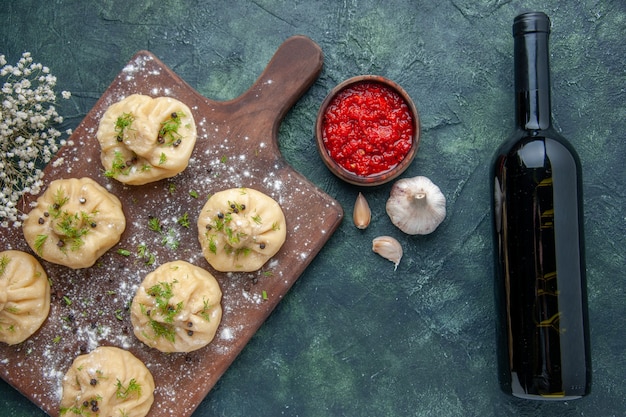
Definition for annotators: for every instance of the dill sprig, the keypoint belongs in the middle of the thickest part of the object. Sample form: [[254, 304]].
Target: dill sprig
[[123, 123], [168, 134], [163, 293], [124, 392]]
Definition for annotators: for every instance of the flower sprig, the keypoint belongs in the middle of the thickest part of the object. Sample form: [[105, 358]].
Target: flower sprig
[[28, 139]]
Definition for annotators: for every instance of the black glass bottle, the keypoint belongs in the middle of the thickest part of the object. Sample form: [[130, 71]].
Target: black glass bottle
[[543, 336]]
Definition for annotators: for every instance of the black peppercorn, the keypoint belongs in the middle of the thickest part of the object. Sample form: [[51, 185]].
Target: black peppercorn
[[93, 381]]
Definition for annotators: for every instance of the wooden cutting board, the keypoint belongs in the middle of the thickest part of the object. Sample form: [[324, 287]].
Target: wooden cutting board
[[236, 147]]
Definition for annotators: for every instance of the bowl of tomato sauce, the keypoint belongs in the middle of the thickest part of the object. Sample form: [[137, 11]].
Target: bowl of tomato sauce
[[367, 130]]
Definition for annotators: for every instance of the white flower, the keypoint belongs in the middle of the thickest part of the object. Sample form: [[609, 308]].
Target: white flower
[[27, 139]]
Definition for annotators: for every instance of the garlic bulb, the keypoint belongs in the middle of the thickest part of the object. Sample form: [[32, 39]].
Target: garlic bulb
[[389, 248], [362, 213], [416, 205]]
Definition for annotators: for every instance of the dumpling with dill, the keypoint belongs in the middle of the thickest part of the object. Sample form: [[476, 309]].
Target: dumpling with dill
[[108, 381], [145, 139], [24, 296], [240, 229], [75, 221], [177, 308]]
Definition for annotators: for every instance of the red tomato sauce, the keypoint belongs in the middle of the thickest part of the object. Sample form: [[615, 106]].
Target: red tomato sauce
[[367, 128]]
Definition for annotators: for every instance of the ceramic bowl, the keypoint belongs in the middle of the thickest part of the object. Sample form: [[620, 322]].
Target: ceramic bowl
[[382, 176]]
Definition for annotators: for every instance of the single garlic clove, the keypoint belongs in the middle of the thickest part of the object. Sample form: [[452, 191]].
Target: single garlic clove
[[362, 215], [389, 248]]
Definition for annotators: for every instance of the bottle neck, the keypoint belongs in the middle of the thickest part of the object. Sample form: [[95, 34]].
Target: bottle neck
[[532, 71]]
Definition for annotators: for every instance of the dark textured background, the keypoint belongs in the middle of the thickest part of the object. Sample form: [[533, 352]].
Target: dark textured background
[[353, 337]]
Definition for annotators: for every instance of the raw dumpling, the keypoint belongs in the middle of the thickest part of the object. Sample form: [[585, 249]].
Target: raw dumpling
[[145, 139], [177, 308], [74, 223], [108, 381], [240, 229], [24, 296]]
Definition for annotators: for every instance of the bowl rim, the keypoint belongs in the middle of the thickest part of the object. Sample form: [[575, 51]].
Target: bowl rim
[[382, 177]]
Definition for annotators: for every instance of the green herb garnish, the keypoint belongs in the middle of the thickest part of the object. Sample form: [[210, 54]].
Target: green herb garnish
[[72, 228], [168, 134], [169, 240], [143, 252], [39, 242], [184, 221], [123, 252], [154, 224], [122, 123], [118, 314], [205, 310], [212, 243], [119, 165], [4, 262], [123, 392], [162, 293]]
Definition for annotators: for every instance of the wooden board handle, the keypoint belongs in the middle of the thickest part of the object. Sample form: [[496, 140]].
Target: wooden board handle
[[295, 66]]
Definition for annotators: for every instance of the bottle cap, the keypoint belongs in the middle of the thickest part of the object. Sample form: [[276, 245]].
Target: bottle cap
[[530, 23]]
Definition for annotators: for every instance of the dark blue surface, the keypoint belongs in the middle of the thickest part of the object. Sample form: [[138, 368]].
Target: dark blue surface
[[353, 337]]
